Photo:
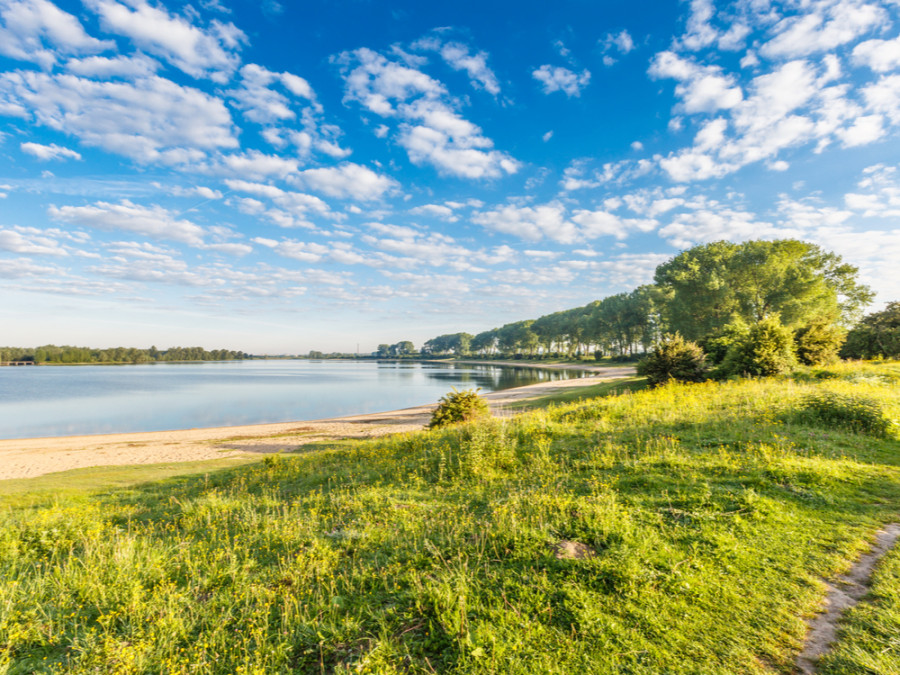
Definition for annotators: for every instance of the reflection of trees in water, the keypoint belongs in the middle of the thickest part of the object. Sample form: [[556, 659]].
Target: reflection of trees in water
[[495, 377]]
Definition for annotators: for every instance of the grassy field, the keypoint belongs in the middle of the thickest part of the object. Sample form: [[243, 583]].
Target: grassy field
[[704, 518]]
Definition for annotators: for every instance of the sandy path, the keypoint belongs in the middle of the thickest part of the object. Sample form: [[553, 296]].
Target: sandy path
[[26, 458]]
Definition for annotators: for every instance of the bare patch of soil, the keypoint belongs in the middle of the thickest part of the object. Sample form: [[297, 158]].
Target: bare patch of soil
[[846, 591]]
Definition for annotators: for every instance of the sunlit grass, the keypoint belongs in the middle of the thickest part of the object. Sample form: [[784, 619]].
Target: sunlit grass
[[713, 511]]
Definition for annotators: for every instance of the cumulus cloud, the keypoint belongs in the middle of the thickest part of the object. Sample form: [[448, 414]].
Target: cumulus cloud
[[294, 208], [38, 31], [879, 55], [149, 120], [210, 52], [30, 241], [701, 88], [348, 181], [459, 57], [430, 129], [562, 79], [105, 67], [828, 25], [150, 221], [48, 152]]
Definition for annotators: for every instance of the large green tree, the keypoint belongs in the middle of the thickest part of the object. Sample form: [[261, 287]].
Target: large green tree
[[878, 334], [708, 286]]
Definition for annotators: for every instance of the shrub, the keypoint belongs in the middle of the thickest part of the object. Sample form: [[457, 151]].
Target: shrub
[[858, 414], [818, 343], [459, 406], [765, 348], [674, 358], [876, 335]]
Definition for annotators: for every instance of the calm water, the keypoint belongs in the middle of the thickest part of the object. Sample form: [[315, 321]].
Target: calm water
[[62, 401]]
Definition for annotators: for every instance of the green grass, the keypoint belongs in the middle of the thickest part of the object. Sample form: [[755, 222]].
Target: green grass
[[77, 482], [576, 394], [714, 511]]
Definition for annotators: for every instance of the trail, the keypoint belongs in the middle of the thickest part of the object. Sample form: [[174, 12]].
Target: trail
[[844, 594]]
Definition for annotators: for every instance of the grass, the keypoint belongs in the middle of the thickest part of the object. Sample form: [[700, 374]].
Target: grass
[[713, 511], [577, 394], [77, 482]]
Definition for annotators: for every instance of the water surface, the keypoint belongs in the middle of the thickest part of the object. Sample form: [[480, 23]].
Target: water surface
[[73, 400]]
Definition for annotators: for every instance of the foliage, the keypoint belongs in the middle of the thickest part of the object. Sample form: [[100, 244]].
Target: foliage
[[435, 551], [877, 335], [860, 414], [400, 349], [459, 406], [818, 343], [764, 348], [68, 354], [710, 285], [697, 293], [674, 358]]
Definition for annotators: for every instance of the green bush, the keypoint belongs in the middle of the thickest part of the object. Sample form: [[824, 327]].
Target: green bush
[[674, 358], [459, 406], [858, 414], [818, 343], [878, 334], [764, 348]]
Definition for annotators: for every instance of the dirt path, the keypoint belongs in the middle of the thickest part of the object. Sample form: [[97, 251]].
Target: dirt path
[[26, 458], [846, 592]]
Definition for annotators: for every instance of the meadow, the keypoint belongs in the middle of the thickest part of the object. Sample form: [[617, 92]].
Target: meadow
[[683, 529]]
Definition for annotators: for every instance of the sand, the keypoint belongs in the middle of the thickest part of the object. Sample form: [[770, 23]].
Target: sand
[[27, 458]]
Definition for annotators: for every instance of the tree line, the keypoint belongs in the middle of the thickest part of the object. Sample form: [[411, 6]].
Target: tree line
[[69, 354], [702, 294]]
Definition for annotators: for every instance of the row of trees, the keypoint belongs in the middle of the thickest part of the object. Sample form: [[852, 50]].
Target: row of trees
[[698, 294], [69, 354]]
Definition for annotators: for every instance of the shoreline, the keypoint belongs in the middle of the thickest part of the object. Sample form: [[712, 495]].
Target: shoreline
[[32, 457]]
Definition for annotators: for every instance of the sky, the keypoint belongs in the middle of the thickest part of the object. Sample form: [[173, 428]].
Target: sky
[[279, 177]]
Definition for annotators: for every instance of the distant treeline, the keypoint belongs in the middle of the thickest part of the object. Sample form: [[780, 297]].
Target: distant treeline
[[67, 354], [699, 293]]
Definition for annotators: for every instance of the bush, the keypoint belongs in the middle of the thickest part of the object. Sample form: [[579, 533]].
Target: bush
[[765, 348], [459, 406], [818, 343], [674, 358], [846, 413], [877, 335]]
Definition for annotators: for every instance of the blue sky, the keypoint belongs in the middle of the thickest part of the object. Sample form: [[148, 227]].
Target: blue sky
[[279, 177]]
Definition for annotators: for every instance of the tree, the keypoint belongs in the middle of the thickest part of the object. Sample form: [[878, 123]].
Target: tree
[[404, 348], [878, 334], [709, 286]]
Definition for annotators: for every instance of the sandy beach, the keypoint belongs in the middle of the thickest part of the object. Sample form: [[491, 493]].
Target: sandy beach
[[26, 458]]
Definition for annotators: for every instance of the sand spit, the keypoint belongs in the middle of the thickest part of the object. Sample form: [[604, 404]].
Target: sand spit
[[26, 458]]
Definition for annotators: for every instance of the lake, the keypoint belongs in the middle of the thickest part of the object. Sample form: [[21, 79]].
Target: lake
[[75, 400]]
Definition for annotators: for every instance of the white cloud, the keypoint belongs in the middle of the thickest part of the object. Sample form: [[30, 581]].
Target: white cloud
[[264, 105], [595, 224], [883, 97], [879, 55], [30, 241], [197, 191], [255, 164], [38, 31], [435, 211], [296, 250], [149, 120], [151, 221], [293, 210], [562, 79], [531, 223], [104, 67], [701, 88], [708, 224], [197, 52], [348, 181], [430, 129], [864, 130], [546, 137], [458, 57], [48, 152], [829, 25]]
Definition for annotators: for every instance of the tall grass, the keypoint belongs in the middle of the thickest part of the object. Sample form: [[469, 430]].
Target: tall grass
[[713, 512]]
